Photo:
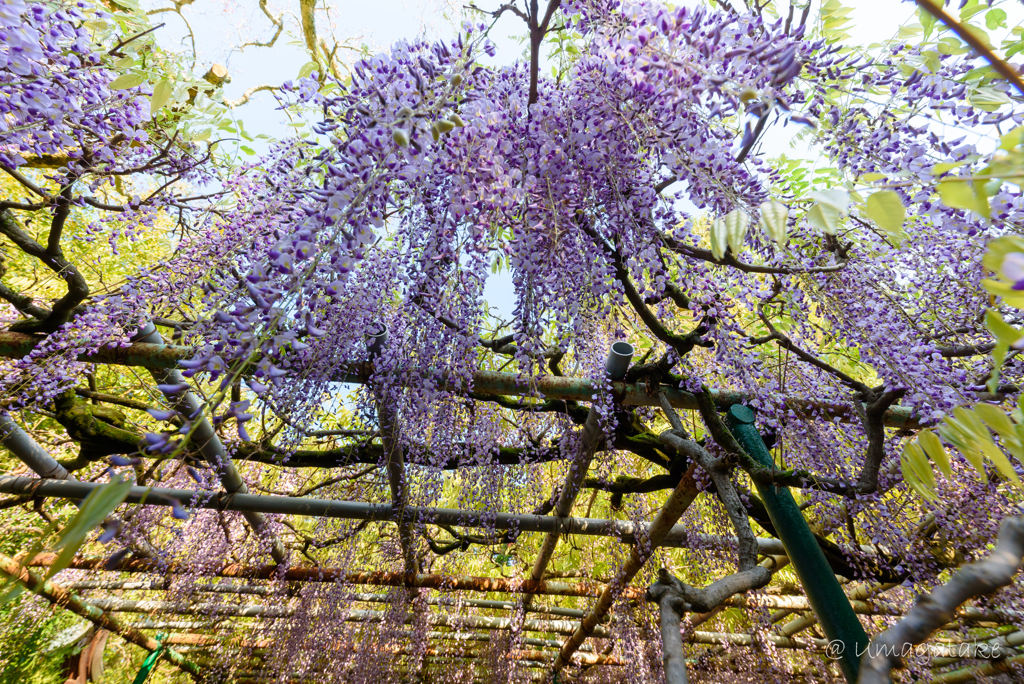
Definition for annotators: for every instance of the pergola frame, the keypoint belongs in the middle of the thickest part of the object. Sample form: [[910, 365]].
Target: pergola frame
[[662, 531]]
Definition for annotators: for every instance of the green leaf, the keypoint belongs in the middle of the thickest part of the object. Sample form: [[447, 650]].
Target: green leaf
[[871, 177], [988, 98], [932, 446], [927, 21], [919, 462], [736, 224], [100, 503], [997, 420], [886, 210], [774, 222], [1011, 139], [161, 94], [995, 18], [951, 46], [979, 33], [983, 441], [960, 438], [1006, 336], [307, 69], [836, 197], [124, 63], [942, 168], [719, 238], [125, 81], [963, 195], [824, 217], [248, 150], [913, 478]]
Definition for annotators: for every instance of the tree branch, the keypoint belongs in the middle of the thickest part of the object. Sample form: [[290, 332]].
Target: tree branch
[[1004, 69], [78, 289], [939, 607]]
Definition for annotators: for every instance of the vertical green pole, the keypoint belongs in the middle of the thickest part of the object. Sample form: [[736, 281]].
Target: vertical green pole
[[830, 604]]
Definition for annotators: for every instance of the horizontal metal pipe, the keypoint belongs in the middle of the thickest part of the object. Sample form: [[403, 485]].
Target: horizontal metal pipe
[[351, 510], [790, 603], [17, 345], [431, 652]]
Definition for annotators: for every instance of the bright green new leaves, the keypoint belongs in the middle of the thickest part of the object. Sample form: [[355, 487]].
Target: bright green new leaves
[[161, 94], [917, 472], [774, 222], [729, 232], [125, 81], [886, 209], [835, 20], [831, 208], [97, 506], [1000, 258], [970, 433], [957, 194], [1006, 336], [933, 448], [995, 18]]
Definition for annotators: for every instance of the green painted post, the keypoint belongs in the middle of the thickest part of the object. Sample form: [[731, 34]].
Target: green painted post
[[826, 597], [149, 664]]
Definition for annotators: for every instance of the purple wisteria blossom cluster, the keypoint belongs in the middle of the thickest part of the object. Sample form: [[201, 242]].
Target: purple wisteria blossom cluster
[[333, 295]]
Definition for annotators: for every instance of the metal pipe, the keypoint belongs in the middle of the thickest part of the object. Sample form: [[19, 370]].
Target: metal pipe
[[788, 603], [826, 596], [207, 441], [30, 452], [616, 364], [213, 640], [59, 596], [677, 536], [17, 345]]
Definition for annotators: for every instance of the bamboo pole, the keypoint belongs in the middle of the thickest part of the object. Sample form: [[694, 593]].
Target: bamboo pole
[[677, 503], [59, 596], [118, 605], [338, 575], [17, 345], [591, 439]]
